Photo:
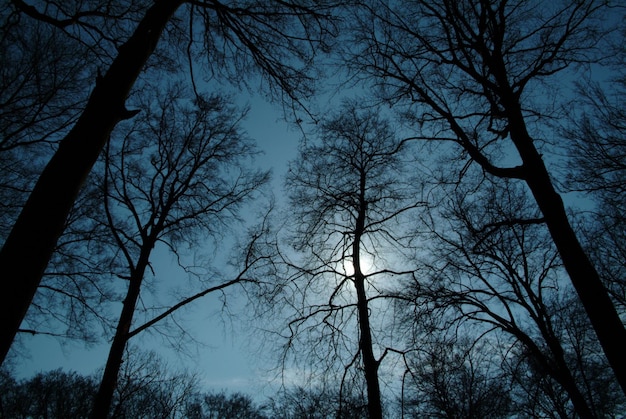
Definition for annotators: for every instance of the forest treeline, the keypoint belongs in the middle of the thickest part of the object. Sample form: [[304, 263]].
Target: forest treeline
[[450, 240], [147, 389]]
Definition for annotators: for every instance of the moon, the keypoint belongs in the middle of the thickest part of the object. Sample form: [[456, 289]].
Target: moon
[[367, 265]]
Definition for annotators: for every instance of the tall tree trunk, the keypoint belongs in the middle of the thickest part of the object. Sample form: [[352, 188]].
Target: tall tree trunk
[[370, 364], [29, 246], [585, 278], [104, 397]]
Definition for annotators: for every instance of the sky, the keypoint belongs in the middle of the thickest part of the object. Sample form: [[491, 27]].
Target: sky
[[227, 359]]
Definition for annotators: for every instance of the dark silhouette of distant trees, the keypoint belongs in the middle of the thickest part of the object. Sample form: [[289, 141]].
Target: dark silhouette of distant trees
[[149, 389], [146, 389], [273, 38], [465, 73], [348, 192], [222, 405], [54, 394], [315, 403]]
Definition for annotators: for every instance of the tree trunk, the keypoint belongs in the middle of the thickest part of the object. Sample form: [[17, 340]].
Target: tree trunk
[[370, 364], [563, 375], [29, 246], [104, 397], [585, 278]]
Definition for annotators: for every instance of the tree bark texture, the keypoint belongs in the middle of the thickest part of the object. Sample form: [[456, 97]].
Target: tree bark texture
[[29, 246]]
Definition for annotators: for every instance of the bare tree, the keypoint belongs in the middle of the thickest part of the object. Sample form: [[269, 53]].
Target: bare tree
[[317, 403], [53, 394], [74, 297], [535, 390], [595, 135], [43, 85], [178, 177], [43, 82], [465, 72], [276, 38], [349, 197], [455, 379], [222, 405], [148, 388], [495, 266]]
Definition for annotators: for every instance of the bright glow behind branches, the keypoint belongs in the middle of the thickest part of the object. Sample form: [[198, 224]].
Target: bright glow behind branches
[[367, 265]]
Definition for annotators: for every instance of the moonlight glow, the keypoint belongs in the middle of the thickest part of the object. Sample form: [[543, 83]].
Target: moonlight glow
[[367, 265]]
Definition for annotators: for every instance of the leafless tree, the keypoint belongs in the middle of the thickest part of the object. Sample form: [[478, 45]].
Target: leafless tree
[[595, 138], [495, 266], [148, 388], [316, 403], [455, 378], [75, 295], [53, 394], [177, 178], [43, 85], [481, 76], [43, 82], [349, 199], [222, 405], [277, 39]]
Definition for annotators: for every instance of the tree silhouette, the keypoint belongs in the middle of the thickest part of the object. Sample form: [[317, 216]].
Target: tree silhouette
[[595, 132], [495, 266], [221, 405], [316, 403], [465, 73], [54, 394], [147, 388], [456, 379], [275, 38], [349, 197], [176, 178], [43, 85]]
